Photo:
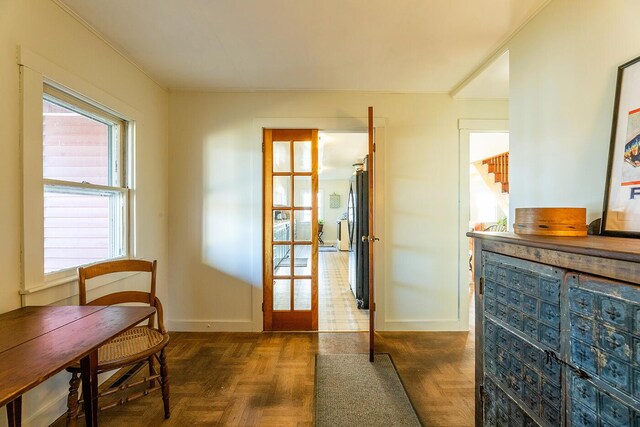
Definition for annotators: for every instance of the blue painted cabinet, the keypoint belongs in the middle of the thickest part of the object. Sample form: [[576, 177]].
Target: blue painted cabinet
[[603, 319], [519, 335], [558, 332]]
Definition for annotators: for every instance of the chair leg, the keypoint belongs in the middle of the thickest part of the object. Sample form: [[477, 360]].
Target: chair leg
[[72, 399], [164, 376], [152, 370]]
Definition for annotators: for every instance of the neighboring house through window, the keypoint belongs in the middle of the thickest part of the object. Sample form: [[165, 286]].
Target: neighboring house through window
[[85, 196]]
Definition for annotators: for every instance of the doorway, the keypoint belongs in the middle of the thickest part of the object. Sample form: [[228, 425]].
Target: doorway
[[341, 159], [490, 138], [263, 298], [488, 181]]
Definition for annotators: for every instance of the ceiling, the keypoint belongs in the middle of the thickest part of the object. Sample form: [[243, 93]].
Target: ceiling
[[323, 45], [338, 151]]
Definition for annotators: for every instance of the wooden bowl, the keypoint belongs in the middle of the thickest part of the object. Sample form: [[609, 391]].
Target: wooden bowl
[[551, 221]]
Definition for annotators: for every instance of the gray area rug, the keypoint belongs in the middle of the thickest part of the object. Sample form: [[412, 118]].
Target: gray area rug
[[351, 391], [327, 249]]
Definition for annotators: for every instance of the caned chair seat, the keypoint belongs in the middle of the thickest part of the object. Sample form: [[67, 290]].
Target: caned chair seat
[[136, 343], [139, 344]]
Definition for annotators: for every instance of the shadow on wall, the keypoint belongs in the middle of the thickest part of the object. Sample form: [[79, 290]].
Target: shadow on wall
[[227, 207]]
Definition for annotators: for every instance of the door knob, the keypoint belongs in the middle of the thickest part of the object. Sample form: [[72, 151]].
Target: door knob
[[370, 239]]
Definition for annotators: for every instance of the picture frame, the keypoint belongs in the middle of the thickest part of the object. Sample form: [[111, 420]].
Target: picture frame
[[334, 201], [621, 208]]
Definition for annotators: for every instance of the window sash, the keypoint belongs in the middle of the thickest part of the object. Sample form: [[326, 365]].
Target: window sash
[[117, 127], [118, 213]]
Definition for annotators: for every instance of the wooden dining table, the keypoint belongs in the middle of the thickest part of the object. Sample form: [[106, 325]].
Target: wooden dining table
[[38, 342]]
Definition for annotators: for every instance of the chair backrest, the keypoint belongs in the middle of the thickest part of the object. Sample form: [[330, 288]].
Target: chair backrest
[[118, 266]]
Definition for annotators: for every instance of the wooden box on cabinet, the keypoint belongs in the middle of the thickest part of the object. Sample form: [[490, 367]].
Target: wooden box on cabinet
[[557, 330]]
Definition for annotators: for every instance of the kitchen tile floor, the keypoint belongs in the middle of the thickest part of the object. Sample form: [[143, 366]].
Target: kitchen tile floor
[[337, 309]]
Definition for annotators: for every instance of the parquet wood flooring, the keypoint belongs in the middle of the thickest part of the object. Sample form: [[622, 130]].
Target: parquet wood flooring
[[267, 379]]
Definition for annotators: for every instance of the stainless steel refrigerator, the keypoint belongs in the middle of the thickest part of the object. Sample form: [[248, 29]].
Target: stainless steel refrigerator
[[358, 215]]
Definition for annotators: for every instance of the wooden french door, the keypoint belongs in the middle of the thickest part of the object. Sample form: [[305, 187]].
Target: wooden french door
[[290, 290], [371, 237]]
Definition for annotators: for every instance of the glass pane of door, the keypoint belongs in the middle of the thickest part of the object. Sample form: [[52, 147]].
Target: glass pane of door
[[302, 156], [281, 226], [302, 294], [302, 221], [282, 294], [281, 156], [302, 265], [281, 260], [281, 191], [302, 191]]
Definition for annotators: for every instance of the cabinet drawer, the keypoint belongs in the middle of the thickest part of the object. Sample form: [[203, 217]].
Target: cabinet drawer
[[584, 392], [582, 417], [615, 342], [583, 356], [582, 329], [604, 341], [614, 412], [501, 410], [615, 372], [614, 312]]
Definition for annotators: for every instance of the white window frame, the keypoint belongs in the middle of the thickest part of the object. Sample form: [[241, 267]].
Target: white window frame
[[38, 288], [118, 215]]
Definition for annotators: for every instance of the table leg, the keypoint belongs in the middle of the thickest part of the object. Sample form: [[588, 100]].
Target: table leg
[[14, 412], [89, 367]]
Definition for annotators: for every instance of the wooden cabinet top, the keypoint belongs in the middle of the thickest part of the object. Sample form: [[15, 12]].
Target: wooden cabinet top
[[627, 249]]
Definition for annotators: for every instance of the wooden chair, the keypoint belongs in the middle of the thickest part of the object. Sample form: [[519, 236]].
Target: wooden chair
[[139, 344]]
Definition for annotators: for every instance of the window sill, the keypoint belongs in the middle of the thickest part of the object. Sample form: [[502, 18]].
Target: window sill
[[61, 288]]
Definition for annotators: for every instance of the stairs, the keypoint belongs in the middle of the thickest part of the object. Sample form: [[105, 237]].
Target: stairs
[[499, 166]]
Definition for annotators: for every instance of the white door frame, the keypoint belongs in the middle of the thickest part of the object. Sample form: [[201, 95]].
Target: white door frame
[[465, 128]]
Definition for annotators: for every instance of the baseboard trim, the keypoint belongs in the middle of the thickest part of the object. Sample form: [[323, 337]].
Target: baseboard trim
[[47, 413], [41, 409], [425, 325], [183, 325]]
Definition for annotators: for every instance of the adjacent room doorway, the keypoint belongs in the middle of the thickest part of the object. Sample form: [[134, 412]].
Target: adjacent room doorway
[[292, 233], [342, 291], [479, 192]]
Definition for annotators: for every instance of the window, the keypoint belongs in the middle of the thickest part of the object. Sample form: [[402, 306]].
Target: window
[[85, 196]]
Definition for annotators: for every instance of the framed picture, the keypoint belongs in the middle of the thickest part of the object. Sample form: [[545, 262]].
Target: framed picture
[[621, 211]]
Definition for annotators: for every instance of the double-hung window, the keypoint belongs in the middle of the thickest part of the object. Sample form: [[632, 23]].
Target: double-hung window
[[85, 195]]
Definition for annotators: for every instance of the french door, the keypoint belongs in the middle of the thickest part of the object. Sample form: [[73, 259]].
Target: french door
[[290, 290], [371, 238]]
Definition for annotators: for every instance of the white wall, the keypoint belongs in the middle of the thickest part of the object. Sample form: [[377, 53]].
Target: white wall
[[46, 30], [332, 215], [216, 203], [562, 85]]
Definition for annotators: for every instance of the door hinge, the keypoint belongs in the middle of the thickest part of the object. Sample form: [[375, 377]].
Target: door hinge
[[481, 286], [481, 393], [263, 147], [263, 307], [374, 147]]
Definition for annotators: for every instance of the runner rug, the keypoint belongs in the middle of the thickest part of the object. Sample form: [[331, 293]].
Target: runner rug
[[351, 391]]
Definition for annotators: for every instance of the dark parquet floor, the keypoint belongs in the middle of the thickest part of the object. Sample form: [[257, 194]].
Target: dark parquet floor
[[267, 379]]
